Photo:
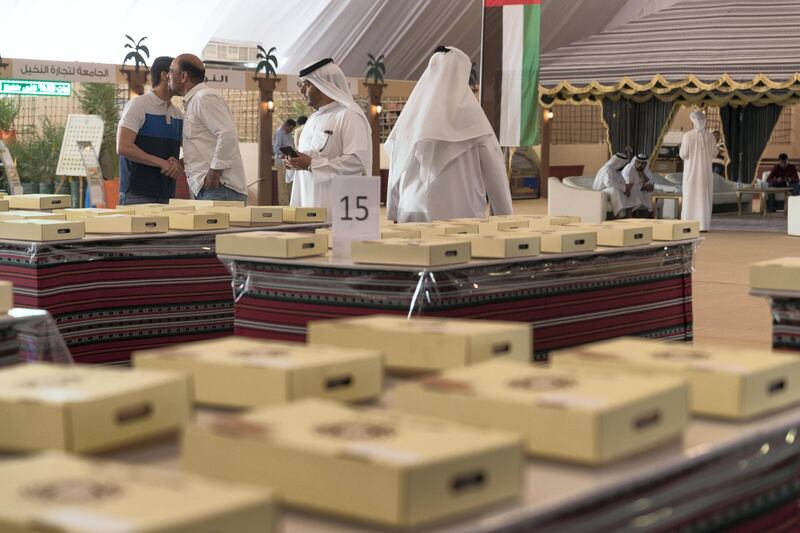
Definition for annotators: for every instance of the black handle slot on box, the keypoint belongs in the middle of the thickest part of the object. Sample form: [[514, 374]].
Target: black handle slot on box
[[470, 480], [502, 348], [307, 245], [687, 230], [132, 413], [647, 420], [55, 202], [523, 247], [774, 387], [150, 224], [638, 236], [211, 221], [312, 213], [451, 253], [266, 215], [339, 382], [64, 230], [580, 241]]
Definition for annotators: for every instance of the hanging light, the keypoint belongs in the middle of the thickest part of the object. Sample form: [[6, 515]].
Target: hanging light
[[549, 115], [270, 105], [378, 109]]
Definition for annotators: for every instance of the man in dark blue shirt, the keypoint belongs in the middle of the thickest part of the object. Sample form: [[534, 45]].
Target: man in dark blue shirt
[[149, 143]]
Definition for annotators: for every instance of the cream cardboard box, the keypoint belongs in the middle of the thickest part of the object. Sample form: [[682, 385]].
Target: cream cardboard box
[[87, 408], [127, 224], [502, 245], [490, 226], [540, 221], [411, 252], [562, 239], [242, 372], [437, 230], [89, 212], [41, 230], [386, 233], [149, 209], [377, 466], [248, 216], [197, 221], [205, 203], [618, 235], [585, 417], [725, 382], [776, 274], [4, 205], [39, 201], [27, 215], [422, 344], [6, 296], [304, 214], [56, 492], [666, 230], [409, 231], [278, 244]]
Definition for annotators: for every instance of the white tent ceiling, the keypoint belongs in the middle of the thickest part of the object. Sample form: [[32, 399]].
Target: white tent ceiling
[[406, 31]]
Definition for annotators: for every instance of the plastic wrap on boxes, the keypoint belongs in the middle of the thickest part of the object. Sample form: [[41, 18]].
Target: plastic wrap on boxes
[[570, 299]]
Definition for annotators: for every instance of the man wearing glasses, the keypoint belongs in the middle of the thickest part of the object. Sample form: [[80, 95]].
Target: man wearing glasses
[[336, 140]]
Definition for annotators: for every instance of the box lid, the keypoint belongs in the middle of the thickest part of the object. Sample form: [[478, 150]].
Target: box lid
[[65, 384], [443, 326]]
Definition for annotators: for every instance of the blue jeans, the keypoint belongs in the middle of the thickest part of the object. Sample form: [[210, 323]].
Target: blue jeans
[[127, 198], [221, 193]]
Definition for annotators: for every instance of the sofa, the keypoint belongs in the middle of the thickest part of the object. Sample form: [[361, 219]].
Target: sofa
[[574, 196]]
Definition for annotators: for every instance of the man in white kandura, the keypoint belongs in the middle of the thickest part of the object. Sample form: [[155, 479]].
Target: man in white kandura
[[609, 180], [336, 140], [638, 173], [698, 149], [444, 159]]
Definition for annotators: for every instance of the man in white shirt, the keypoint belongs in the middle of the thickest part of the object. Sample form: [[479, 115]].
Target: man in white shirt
[[609, 180], [444, 159], [638, 173], [211, 156], [336, 140]]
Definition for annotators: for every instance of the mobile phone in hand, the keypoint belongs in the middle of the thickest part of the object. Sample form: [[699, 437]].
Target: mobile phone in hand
[[288, 151]]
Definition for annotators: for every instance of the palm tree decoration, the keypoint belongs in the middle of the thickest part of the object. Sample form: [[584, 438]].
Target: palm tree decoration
[[135, 53], [375, 69], [267, 61], [473, 76]]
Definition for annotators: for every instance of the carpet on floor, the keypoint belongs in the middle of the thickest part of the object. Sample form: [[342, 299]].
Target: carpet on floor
[[772, 223]]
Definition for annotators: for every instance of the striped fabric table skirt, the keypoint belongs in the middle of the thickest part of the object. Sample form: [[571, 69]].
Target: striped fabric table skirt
[[785, 308], [569, 299], [110, 296]]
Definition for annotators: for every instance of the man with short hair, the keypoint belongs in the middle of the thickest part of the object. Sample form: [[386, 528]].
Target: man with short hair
[[211, 156], [335, 141], [283, 138], [149, 142], [784, 174]]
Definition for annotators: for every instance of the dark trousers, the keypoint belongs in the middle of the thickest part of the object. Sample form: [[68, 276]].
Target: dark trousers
[[773, 204]]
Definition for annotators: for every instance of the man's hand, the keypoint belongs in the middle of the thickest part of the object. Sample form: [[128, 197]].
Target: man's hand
[[170, 167], [212, 178], [301, 162], [628, 187], [648, 187]]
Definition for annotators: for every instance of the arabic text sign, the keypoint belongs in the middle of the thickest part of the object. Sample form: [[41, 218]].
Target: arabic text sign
[[35, 88], [32, 69], [225, 79]]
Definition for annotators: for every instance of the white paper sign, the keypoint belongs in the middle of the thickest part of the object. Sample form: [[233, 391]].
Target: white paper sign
[[94, 176], [355, 211], [11, 169], [33, 69], [225, 79]]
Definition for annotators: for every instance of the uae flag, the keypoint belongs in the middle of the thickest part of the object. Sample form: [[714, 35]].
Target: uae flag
[[510, 69]]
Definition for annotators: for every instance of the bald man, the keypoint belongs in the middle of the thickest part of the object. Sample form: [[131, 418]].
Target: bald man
[[211, 156]]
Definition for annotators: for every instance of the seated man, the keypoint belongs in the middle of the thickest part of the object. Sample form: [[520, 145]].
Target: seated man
[[782, 175], [719, 161], [609, 180], [637, 173]]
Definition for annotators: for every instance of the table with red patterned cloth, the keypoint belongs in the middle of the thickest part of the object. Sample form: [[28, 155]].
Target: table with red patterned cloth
[[569, 299], [110, 295], [785, 307]]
